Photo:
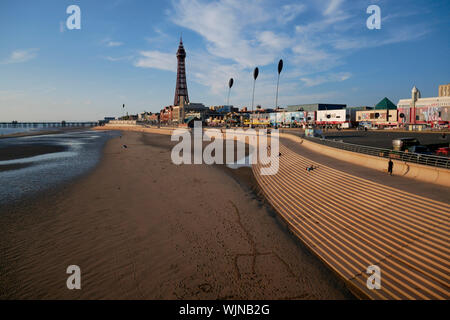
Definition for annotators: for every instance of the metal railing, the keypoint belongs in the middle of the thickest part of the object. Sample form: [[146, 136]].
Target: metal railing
[[428, 160]]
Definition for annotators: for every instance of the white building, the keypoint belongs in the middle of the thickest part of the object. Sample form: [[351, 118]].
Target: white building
[[424, 110], [331, 116]]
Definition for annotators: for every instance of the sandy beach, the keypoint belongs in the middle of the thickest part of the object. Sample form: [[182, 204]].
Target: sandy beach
[[140, 227]]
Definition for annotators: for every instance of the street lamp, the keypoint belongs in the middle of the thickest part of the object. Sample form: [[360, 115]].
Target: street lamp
[[280, 67], [255, 76], [230, 84]]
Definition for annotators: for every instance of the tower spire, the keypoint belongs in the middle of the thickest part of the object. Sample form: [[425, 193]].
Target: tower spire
[[181, 86]]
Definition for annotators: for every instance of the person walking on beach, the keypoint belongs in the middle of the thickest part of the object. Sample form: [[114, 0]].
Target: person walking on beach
[[390, 166]]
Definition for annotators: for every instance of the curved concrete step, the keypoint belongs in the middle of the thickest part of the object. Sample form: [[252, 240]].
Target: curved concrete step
[[352, 223]]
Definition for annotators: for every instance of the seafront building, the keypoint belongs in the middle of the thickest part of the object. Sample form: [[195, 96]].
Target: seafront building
[[444, 90], [315, 107], [384, 113], [418, 110]]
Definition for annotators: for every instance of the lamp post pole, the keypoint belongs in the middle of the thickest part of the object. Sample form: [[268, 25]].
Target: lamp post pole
[[230, 84], [280, 67], [255, 76]]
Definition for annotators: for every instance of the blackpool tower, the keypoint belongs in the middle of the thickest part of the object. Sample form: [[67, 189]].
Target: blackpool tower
[[181, 88]]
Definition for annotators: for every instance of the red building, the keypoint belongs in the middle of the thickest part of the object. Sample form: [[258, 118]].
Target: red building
[[165, 115]]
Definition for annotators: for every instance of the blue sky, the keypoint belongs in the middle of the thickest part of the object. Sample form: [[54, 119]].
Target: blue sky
[[125, 53]]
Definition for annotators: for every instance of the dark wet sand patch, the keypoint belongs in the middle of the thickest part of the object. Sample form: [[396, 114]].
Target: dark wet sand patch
[[20, 151]]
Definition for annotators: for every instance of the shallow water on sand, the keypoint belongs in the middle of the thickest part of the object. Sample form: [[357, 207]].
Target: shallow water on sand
[[26, 173]]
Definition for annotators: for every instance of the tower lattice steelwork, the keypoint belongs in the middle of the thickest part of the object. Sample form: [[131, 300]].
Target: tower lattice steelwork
[[181, 88]]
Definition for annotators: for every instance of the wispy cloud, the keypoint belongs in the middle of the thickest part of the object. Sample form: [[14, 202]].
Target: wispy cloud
[[314, 37], [114, 43], [290, 11], [114, 59], [226, 25], [21, 55], [361, 42], [314, 81], [332, 7], [110, 43], [159, 37], [278, 42], [156, 59]]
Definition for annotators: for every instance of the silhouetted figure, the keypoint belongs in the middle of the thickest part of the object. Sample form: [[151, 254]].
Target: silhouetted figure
[[390, 166]]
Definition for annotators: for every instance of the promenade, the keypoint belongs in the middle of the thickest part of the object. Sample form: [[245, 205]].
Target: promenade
[[351, 223]]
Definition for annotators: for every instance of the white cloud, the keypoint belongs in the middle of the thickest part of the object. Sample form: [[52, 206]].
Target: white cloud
[[306, 53], [114, 43], [310, 82], [114, 59], [290, 11], [400, 35], [239, 35], [332, 7], [326, 24], [271, 40], [227, 27], [24, 55], [157, 60], [159, 37], [110, 43]]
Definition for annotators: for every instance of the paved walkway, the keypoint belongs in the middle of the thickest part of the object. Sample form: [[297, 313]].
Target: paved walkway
[[352, 223], [429, 190]]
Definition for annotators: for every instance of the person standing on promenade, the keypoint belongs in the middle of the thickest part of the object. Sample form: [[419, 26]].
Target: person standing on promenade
[[390, 166]]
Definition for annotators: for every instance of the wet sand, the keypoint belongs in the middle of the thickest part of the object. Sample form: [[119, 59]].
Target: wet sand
[[141, 227], [26, 151]]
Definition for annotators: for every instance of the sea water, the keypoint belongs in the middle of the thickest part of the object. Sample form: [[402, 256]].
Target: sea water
[[82, 151]]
